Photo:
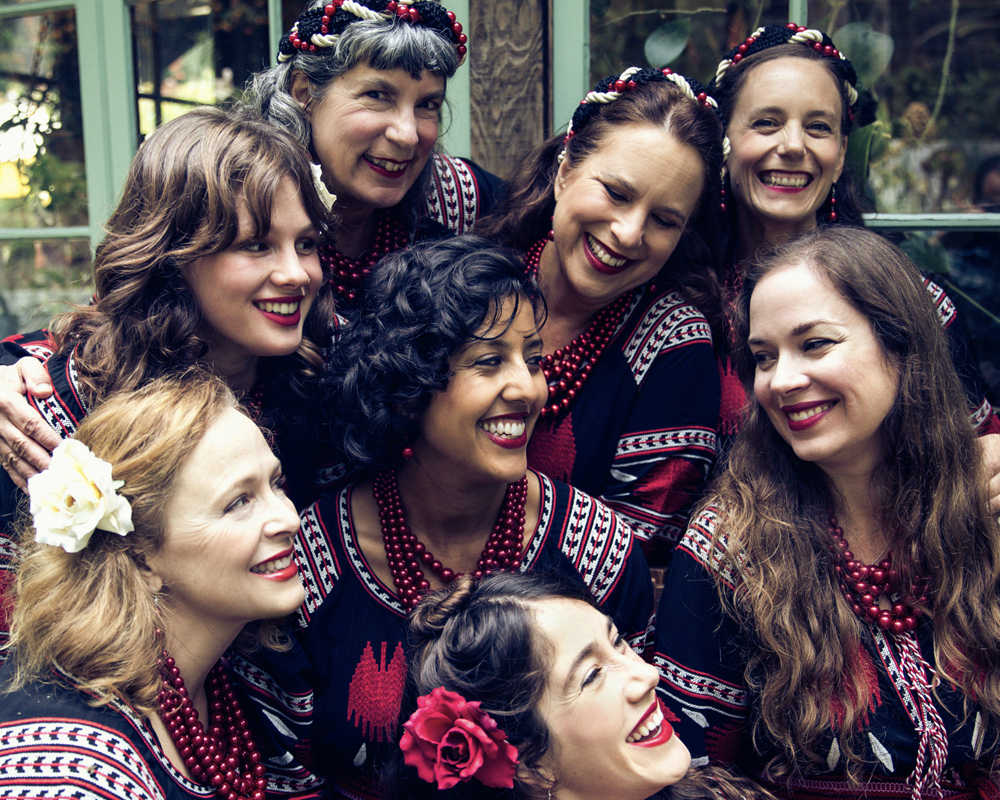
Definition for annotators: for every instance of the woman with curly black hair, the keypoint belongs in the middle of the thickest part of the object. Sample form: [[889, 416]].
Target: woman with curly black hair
[[436, 388]]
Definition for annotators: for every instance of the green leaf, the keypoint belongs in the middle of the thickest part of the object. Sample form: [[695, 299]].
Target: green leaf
[[667, 42], [926, 253], [869, 51]]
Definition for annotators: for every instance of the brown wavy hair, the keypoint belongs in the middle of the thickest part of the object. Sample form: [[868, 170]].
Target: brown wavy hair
[[181, 202], [693, 268], [930, 487], [92, 613]]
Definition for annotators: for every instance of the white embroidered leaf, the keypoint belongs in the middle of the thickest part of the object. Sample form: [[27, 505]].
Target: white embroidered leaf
[[362, 754], [881, 753], [281, 726], [697, 717], [833, 757], [977, 735], [624, 477]]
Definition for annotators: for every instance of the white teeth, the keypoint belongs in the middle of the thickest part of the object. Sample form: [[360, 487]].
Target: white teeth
[[274, 565], [649, 725], [388, 166], [784, 179], [506, 428], [798, 416], [603, 255], [285, 309]]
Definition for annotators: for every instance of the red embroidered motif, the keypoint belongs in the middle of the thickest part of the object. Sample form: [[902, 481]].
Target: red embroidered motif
[[552, 450], [864, 667], [668, 486], [376, 693], [733, 399]]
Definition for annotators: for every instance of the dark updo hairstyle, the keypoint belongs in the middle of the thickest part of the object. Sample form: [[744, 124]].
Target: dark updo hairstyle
[[418, 309], [477, 638], [693, 269], [773, 42]]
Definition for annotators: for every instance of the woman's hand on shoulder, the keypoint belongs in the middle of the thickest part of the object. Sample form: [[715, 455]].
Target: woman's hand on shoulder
[[25, 439], [990, 445]]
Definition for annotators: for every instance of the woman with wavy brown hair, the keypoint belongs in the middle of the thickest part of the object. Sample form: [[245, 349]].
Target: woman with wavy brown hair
[[835, 621]]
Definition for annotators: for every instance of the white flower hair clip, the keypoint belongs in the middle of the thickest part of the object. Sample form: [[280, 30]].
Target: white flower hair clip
[[324, 193], [75, 496]]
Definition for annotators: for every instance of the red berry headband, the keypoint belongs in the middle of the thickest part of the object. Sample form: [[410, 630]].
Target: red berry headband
[[317, 28], [614, 86], [774, 35]]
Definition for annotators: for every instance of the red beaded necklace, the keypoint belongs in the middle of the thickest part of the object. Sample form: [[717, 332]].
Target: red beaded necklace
[[405, 552], [568, 368], [863, 585], [346, 274], [225, 756]]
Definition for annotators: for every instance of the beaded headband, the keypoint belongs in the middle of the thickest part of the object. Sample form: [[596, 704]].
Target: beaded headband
[[317, 28], [774, 35], [615, 86]]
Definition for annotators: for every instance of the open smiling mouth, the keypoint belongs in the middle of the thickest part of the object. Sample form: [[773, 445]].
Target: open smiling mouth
[[282, 312], [392, 167], [276, 564], [786, 180], [507, 428], [601, 254], [653, 727]]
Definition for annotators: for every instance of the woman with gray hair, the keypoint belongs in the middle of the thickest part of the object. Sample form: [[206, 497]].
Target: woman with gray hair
[[361, 83]]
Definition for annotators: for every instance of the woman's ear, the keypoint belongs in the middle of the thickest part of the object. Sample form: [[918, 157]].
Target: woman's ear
[[301, 90], [561, 174], [149, 575]]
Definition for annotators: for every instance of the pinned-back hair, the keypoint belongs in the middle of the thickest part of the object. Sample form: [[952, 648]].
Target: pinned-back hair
[[772, 42], [91, 613], [478, 639]]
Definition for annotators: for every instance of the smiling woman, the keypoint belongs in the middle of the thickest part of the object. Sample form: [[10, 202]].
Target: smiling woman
[[569, 709], [361, 83], [436, 387], [118, 635], [856, 479], [614, 218]]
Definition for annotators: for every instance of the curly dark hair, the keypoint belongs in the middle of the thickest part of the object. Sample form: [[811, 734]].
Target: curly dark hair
[[418, 309]]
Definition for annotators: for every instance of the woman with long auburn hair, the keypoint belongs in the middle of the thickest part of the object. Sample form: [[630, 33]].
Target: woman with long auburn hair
[[835, 620]]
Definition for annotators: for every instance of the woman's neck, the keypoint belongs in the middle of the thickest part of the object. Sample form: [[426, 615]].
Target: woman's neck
[[239, 370], [567, 314], [857, 513], [357, 228], [756, 234], [446, 513]]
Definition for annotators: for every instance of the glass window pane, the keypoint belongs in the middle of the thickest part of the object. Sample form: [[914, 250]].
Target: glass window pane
[[939, 114], [194, 52], [689, 36], [42, 177], [38, 278]]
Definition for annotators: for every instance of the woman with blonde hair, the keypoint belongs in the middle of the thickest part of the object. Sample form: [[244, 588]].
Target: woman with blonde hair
[[834, 610], [160, 535]]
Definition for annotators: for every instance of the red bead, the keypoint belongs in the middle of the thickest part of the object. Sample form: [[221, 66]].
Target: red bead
[[619, 86], [742, 49], [451, 15], [828, 50], [462, 38], [392, 6], [792, 26], [457, 27], [461, 50], [631, 85], [737, 58]]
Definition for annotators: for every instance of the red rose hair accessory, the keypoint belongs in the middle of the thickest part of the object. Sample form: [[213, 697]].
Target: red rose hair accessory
[[449, 741], [317, 28]]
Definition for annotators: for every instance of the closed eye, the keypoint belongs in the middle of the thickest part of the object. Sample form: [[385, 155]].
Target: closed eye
[[765, 124], [815, 344], [617, 196]]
